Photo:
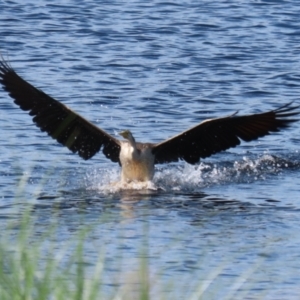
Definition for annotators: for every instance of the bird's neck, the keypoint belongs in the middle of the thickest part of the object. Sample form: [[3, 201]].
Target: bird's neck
[[132, 141]]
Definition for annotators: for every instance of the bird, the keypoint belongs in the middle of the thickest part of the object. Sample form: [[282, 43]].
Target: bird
[[138, 160]]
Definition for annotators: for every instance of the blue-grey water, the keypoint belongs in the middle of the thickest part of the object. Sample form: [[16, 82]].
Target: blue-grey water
[[227, 228]]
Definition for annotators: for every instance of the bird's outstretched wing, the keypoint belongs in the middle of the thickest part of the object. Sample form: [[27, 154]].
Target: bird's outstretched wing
[[215, 135], [60, 122]]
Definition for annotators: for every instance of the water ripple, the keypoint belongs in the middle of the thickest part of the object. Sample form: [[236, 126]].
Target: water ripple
[[159, 68]]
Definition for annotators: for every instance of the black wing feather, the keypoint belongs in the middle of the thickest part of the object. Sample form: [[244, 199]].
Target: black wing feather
[[215, 135], [60, 122]]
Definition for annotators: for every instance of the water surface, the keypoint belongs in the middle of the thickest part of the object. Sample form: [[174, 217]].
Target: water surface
[[226, 228]]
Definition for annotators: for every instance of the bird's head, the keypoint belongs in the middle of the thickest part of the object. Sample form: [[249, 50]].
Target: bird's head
[[126, 134]]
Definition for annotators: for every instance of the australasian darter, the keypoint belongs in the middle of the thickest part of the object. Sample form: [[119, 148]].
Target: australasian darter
[[138, 159]]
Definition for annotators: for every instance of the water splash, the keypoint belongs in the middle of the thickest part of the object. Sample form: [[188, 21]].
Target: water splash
[[185, 177]]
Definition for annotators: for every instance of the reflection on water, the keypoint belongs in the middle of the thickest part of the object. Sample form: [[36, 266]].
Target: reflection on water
[[183, 189]]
